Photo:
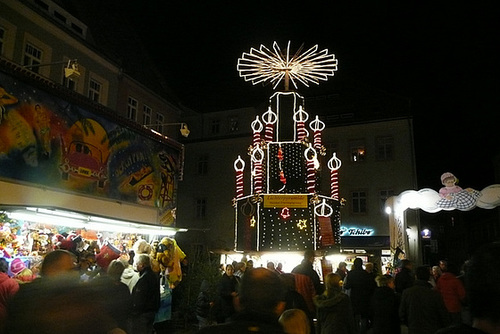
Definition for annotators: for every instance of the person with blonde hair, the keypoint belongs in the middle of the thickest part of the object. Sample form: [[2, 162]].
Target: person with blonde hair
[[334, 309], [295, 321], [384, 307]]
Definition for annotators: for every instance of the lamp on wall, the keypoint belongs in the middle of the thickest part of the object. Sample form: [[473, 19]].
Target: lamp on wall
[[70, 70], [184, 128]]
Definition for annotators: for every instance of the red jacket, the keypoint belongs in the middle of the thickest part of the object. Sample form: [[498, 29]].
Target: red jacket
[[8, 287], [452, 290]]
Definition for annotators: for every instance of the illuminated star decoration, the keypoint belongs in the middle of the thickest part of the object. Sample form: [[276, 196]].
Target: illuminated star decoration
[[265, 65], [302, 224]]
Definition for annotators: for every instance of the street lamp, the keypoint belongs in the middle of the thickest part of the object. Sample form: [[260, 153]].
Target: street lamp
[[70, 71], [184, 128]]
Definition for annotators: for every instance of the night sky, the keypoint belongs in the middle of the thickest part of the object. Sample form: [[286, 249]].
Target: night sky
[[440, 54]]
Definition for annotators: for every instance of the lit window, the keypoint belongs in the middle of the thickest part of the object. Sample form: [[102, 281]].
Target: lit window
[[32, 57], [384, 195], [358, 153], [359, 202], [384, 148], [201, 208], [146, 115], [95, 89], [132, 109]]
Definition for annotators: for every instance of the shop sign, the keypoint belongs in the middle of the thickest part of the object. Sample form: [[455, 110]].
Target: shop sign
[[356, 231], [282, 201]]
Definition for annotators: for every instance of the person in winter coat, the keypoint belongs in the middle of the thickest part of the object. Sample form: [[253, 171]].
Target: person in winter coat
[[306, 268], [105, 285], [360, 286], [404, 278], [227, 290], [145, 297], [203, 305], [8, 288], [453, 292], [422, 308], [384, 307], [333, 309]]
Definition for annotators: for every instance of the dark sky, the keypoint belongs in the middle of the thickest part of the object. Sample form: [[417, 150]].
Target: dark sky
[[441, 54]]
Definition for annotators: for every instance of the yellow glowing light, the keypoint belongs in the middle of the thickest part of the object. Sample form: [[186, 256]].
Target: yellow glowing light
[[265, 65], [252, 221], [302, 224]]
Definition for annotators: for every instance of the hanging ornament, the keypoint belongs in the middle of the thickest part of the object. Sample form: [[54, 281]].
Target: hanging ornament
[[334, 165], [285, 213], [281, 172], [300, 117], [270, 118], [317, 126], [323, 209], [239, 166]]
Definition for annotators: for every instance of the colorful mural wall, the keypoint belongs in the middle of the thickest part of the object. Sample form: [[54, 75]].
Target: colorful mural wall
[[55, 143]]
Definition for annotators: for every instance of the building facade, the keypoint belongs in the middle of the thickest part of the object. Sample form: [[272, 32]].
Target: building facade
[[82, 106]]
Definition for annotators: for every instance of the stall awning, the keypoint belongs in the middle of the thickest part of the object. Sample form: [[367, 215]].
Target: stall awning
[[48, 206]]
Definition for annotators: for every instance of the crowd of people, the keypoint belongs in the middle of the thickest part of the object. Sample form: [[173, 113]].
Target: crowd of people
[[417, 300], [421, 300], [81, 293]]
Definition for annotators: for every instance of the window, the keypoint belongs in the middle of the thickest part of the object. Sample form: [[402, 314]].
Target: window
[[146, 115], [201, 208], [132, 108], [32, 56], [203, 165], [384, 195], [95, 89], [358, 151], [69, 83], [233, 124], [359, 202], [2, 39], [160, 119], [215, 126], [384, 148]]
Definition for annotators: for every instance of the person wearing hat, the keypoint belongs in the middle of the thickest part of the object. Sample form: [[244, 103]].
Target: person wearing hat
[[21, 273]]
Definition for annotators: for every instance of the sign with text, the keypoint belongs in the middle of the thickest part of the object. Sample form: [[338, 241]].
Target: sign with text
[[282, 201]]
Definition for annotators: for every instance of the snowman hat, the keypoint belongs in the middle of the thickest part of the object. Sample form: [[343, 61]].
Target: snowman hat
[[447, 175]]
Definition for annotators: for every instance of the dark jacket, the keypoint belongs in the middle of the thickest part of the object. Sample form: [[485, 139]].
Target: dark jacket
[[334, 313], [360, 285], [247, 323], [422, 309], [306, 268], [203, 301], [114, 297], [224, 307], [403, 280], [146, 292], [384, 311]]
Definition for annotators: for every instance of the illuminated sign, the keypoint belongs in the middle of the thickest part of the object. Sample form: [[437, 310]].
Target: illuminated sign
[[356, 232], [288, 201]]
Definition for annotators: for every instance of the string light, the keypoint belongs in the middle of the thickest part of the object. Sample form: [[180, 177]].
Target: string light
[[265, 65]]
